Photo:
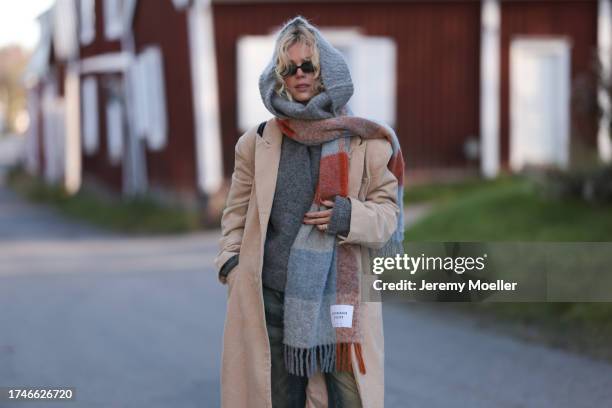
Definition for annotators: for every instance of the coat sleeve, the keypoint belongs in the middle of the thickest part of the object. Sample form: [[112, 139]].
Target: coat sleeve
[[234, 214], [374, 220]]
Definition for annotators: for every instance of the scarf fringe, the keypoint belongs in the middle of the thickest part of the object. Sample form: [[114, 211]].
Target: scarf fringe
[[326, 357]]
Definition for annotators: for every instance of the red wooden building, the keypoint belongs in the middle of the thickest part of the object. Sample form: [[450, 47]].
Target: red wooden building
[[167, 87]]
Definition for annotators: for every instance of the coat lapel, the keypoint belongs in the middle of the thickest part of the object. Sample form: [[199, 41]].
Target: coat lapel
[[267, 158]]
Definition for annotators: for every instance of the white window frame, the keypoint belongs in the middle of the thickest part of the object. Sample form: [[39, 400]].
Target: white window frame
[[87, 21], [113, 18], [91, 137]]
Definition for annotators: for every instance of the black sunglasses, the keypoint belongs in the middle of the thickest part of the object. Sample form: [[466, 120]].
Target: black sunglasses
[[306, 67]]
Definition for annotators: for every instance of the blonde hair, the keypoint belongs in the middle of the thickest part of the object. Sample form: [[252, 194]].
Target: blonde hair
[[297, 33]]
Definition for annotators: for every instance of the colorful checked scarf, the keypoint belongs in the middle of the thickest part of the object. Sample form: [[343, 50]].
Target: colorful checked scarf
[[321, 273]]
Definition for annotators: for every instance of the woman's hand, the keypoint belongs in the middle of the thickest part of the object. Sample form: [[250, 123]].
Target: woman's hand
[[320, 218]]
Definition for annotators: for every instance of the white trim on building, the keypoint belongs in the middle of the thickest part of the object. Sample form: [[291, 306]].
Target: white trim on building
[[604, 47], [205, 94], [65, 33], [490, 88], [72, 163], [104, 63], [87, 21], [114, 11]]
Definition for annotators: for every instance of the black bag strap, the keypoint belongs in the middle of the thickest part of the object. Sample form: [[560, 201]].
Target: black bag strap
[[261, 128]]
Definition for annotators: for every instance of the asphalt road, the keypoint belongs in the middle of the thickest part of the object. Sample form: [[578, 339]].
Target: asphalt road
[[137, 322]]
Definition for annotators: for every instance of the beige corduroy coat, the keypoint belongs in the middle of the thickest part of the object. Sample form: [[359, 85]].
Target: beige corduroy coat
[[246, 366]]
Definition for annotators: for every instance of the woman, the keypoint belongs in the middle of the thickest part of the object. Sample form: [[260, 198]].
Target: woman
[[314, 191]]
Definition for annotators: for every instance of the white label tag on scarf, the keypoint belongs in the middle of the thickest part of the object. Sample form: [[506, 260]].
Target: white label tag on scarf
[[341, 315]]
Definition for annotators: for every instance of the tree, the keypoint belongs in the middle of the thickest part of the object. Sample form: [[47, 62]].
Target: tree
[[13, 61]]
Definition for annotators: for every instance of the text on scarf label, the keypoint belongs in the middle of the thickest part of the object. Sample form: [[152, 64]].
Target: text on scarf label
[[341, 315]]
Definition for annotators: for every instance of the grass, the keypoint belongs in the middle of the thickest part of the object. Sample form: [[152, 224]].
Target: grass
[[137, 215], [447, 191], [511, 209]]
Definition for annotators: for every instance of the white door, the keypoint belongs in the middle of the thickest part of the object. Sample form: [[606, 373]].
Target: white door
[[539, 102]]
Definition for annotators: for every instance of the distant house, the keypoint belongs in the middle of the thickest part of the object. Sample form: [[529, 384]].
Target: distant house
[[152, 95], [149, 104], [484, 85], [52, 81], [147, 115]]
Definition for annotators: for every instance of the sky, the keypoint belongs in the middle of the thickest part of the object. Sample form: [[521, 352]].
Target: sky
[[18, 23]]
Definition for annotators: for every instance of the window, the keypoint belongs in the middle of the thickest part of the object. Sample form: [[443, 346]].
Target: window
[[113, 18], [254, 53], [65, 30], [87, 12], [90, 115], [374, 84], [540, 83], [147, 76]]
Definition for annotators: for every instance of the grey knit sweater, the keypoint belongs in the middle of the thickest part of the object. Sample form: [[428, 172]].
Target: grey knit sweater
[[295, 186]]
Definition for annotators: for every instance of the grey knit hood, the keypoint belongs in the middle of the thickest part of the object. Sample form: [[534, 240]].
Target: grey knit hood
[[335, 76]]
